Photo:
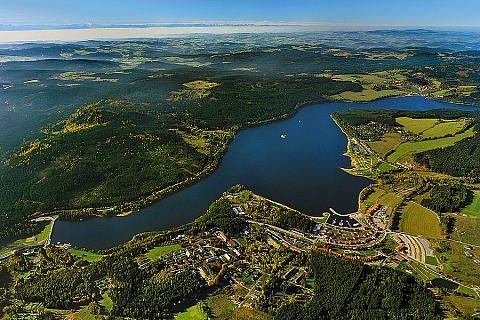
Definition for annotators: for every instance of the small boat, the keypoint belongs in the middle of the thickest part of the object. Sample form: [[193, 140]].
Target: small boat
[[283, 136]]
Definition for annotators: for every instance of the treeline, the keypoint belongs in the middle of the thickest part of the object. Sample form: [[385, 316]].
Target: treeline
[[351, 290], [448, 198]]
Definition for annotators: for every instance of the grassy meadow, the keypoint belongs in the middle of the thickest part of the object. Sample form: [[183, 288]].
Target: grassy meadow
[[158, 252], [412, 147]]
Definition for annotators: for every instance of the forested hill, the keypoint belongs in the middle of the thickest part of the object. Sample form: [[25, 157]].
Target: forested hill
[[117, 154]]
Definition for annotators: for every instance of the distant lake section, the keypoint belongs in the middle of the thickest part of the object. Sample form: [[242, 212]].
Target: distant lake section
[[301, 169]]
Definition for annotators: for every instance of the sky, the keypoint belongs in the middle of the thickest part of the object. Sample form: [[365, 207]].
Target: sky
[[325, 12]]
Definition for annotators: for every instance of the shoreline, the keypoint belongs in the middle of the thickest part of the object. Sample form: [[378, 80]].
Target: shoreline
[[134, 206], [128, 208]]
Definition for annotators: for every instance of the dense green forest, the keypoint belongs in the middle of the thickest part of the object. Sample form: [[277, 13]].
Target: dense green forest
[[352, 290], [448, 198]]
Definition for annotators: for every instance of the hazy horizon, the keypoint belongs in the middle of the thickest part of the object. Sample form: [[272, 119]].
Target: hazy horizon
[[146, 31]]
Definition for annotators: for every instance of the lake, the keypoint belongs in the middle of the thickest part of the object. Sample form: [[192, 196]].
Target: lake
[[302, 171]]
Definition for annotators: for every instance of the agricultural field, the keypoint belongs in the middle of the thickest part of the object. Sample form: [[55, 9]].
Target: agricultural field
[[420, 221], [158, 252], [426, 145], [432, 128], [416, 126], [375, 85], [389, 142], [445, 128]]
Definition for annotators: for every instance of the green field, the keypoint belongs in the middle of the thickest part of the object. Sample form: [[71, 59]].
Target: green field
[[192, 313], [390, 199], [85, 255], [158, 252], [473, 209], [389, 142], [416, 126], [420, 221], [420, 146], [367, 95], [368, 82], [445, 128]]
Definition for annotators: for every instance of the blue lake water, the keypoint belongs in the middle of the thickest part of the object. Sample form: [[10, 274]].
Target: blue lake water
[[301, 171]]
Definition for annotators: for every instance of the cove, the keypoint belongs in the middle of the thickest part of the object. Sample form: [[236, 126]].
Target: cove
[[302, 171]]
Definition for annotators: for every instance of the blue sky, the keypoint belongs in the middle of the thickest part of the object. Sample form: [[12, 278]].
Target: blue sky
[[330, 12]]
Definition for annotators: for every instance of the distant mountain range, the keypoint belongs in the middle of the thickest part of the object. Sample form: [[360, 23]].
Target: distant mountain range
[[8, 27]]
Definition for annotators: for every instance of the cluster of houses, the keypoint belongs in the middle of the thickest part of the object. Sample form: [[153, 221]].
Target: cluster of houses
[[375, 216], [348, 237], [198, 254]]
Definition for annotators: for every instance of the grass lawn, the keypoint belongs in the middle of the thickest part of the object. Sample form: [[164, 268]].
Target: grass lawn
[[86, 255], [106, 302], [158, 252], [420, 146], [420, 221], [4, 251], [83, 314], [473, 209], [416, 126], [389, 142], [192, 313], [384, 166]]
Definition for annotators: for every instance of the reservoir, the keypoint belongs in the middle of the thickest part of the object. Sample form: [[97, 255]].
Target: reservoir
[[301, 169]]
